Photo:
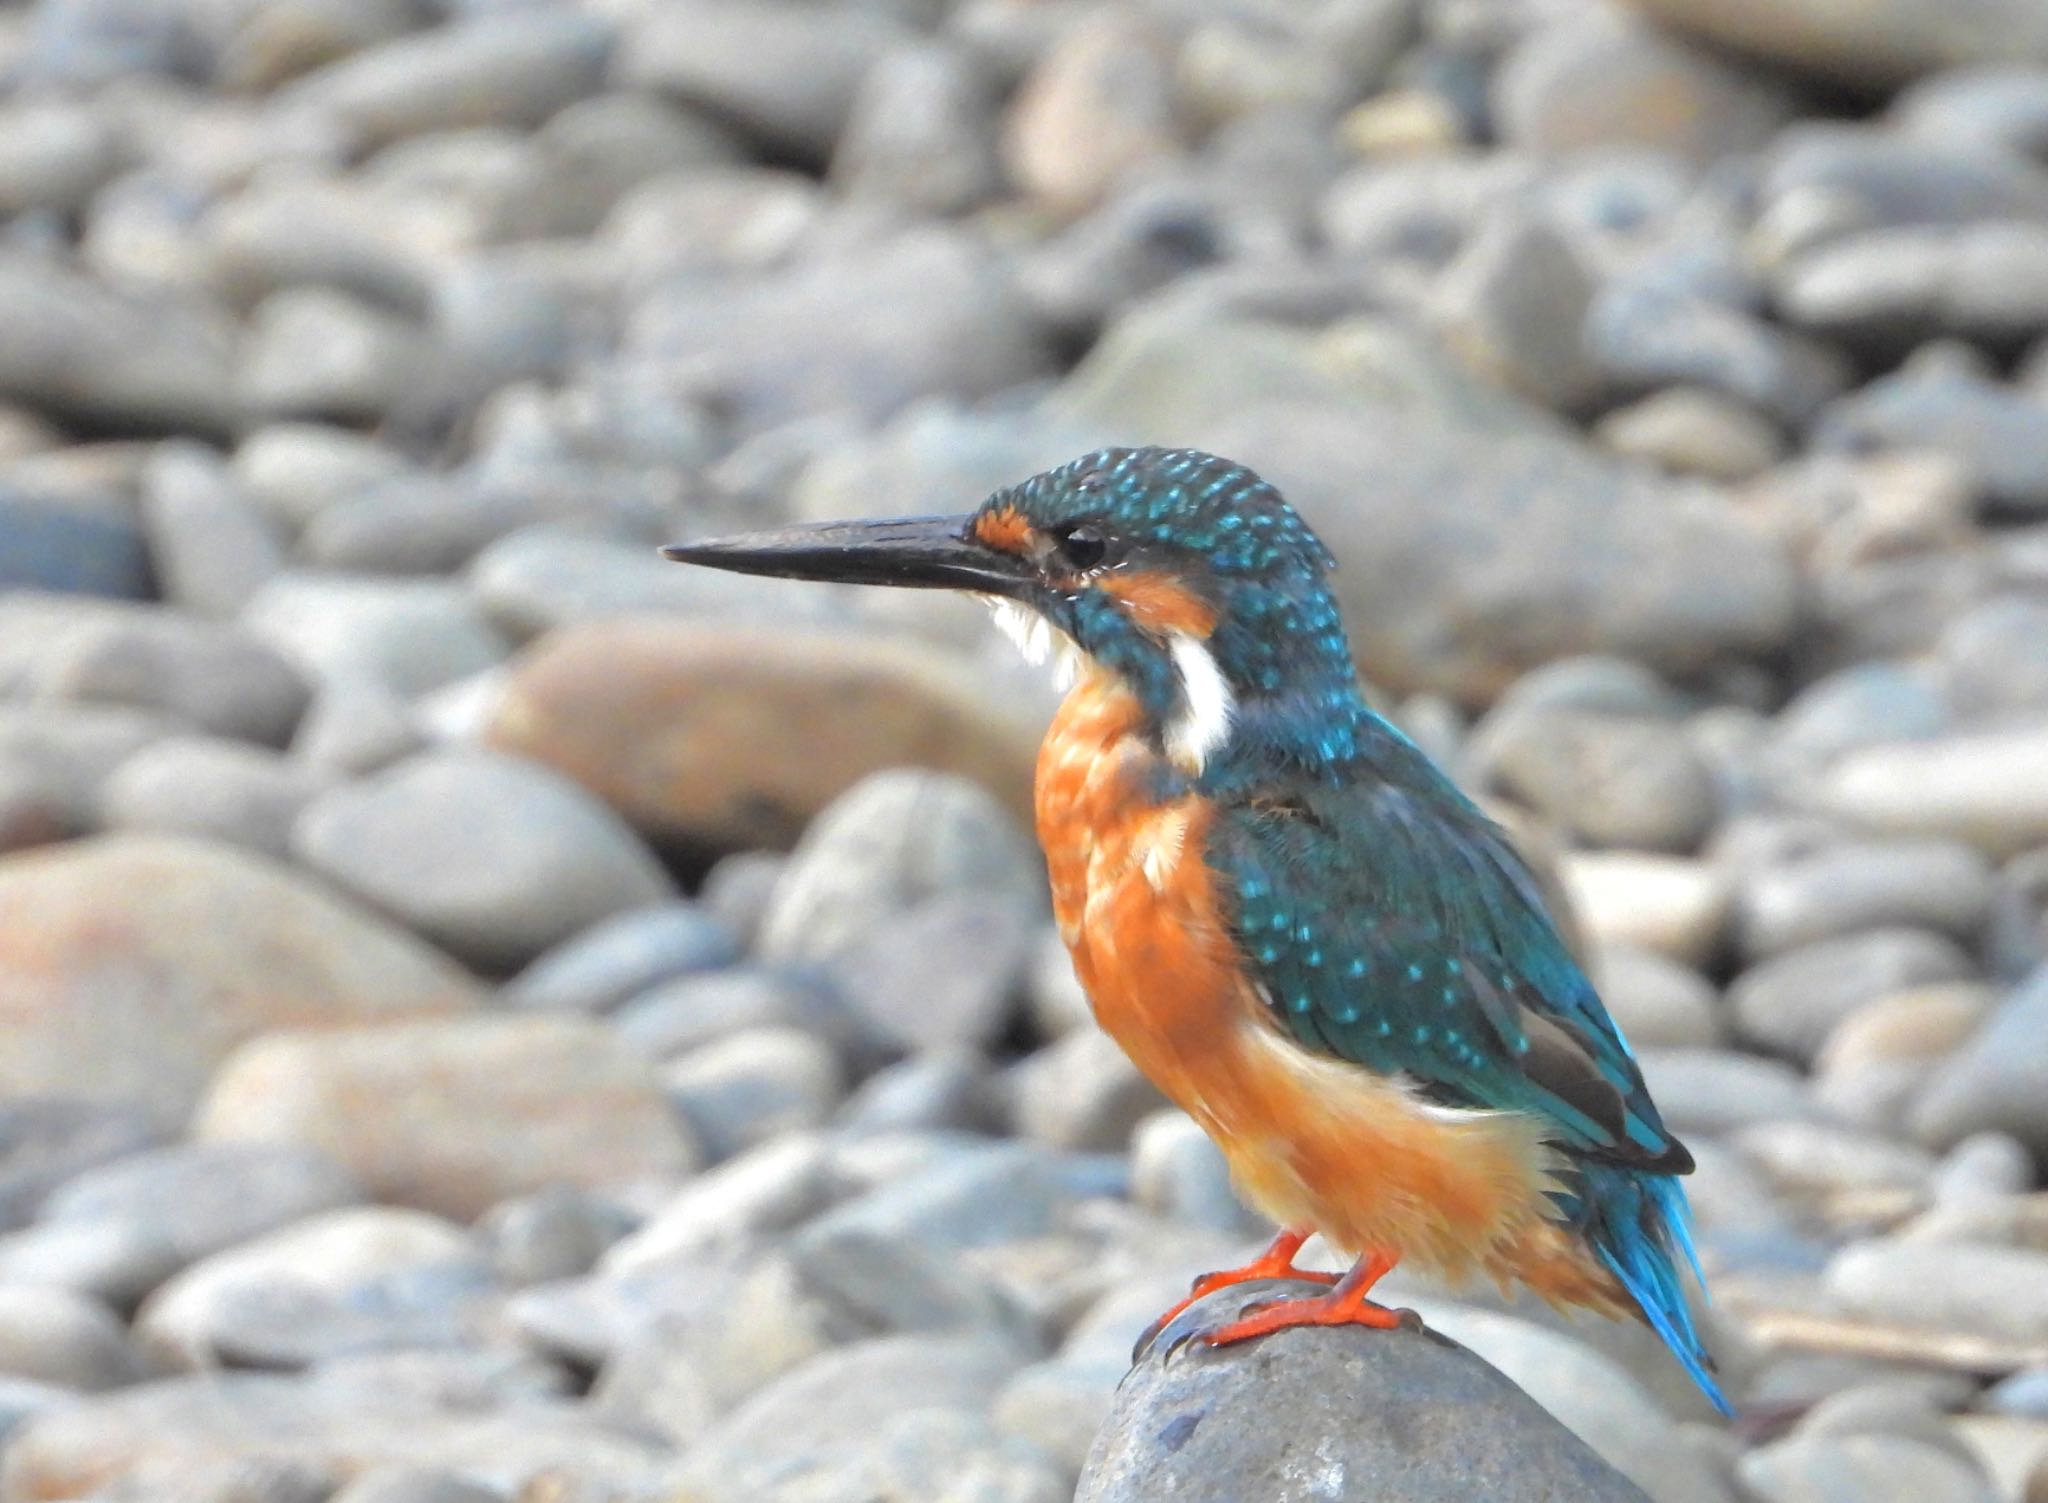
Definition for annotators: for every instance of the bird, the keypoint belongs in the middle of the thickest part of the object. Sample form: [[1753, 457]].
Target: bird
[[1293, 922]]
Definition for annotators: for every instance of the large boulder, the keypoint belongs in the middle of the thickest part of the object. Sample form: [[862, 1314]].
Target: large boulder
[[130, 965], [1333, 1414]]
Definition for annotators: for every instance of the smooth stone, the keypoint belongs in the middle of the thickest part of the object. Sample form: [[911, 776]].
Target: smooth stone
[[1877, 1060], [492, 857], [295, 471], [1791, 1002], [407, 1484], [738, 889], [1816, 1159], [357, 1279], [1055, 1000], [356, 726], [1984, 1167], [216, 677], [622, 957], [1712, 1091], [1857, 885], [1977, 787], [1059, 1405], [135, 963], [55, 758], [1994, 657], [759, 1195], [64, 1339], [866, 330], [470, 1111], [682, 726], [1178, 1172], [1080, 1093], [1996, 1292], [1692, 430], [754, 1086], [54, 153], [1808, 1468], [943, 1091], [211, 788], [1996, 434], [1096, 108], [115, 1261], [837, 1402], [1408, 1412], [1668, 905], [1888, 290], [1511, 306], [694, 1010], [196, 1199], [211, 547], [513, 68], [966, 1197], [555, 1233], [58, 545], [313, 352], [177, 1426], [943, 974], [1872, 47], [412, 635], [1996, 1079], [1657, 1002], [894, 842], [46, 1140], [920, 132]]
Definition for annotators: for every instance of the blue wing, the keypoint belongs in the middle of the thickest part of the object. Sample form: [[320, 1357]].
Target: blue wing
[[1389, 923]]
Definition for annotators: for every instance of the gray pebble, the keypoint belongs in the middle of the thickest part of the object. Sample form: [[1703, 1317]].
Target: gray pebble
[[1080, 1092], [754, 1086], [211, 548], [1883, 1469], [1177, 1171], [1997, 1292], [942, 1091], [1996, 1080], [556, 1233], [63, 1338], [356, 725], [398, 1484], [229, 791], [1791, 1002], [317, 353], [411, 635], [1937, 885], [297, 470], [621, 958], [45, 1141]]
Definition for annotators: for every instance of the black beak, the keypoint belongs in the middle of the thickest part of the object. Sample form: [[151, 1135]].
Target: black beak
[[939, 553]]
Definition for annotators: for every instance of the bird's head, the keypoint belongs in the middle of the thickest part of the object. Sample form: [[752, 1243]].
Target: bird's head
[[1186, 576]]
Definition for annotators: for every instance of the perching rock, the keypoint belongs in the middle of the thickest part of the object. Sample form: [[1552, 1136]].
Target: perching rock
[[1334, 1416]]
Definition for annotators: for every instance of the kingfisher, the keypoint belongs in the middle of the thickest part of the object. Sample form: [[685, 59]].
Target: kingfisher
[[1292, 922]]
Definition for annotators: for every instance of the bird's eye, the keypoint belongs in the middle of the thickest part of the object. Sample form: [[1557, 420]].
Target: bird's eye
[[1081, 547]]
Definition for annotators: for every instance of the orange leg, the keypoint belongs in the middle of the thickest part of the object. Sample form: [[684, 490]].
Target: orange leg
[[1276, 1262], [1345, 1305]]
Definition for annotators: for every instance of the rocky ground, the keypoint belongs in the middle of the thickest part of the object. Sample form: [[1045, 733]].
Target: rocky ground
[[486, 1014]]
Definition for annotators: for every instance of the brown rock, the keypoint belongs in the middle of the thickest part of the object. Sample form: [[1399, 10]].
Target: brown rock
[[130, 965], [1098, 105], [455, 1115], [704, 735]]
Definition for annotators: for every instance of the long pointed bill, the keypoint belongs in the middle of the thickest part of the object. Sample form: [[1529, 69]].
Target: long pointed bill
[[921, 552]]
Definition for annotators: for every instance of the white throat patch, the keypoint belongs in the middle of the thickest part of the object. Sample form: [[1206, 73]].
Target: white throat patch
[[1038, 639], [1207, 704]]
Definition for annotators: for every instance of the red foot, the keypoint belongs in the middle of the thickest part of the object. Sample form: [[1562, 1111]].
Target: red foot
[[1276, 1262], [1345, 1305]]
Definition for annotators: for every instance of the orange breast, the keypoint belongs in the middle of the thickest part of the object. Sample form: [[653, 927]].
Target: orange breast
[[1311, 1141]]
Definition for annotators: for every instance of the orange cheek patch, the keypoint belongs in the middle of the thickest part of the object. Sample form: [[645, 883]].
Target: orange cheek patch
[[1004, 529], [1160, 603]]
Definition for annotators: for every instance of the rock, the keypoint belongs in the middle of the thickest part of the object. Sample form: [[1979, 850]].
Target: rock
[[1996, 1080], [595, 151], [1080, 1092], [210, 546], [52, 544], [785, 74], [195, 1199], [212, 788], [64, 1339], [946, 1456], [1657, 1002], [215, 677], [949, 1091], [1693, 430], [313, 352], [621, 957], [864, 330], [404, 1484], [133, 964], [1877, 47], [1607, 80], [114, 1261], [469, 1111], [943, 973], [920, 133], [1815, 1160], [1304, 1413], [512, 69], [1888, 290], [1984, 1167], [177, 1427], [1178, 1172], [1442, 596], [1669, 905], [1097, 107], [811, 1418], [694, 1010], [364, 1278], [1612, 780], [1808, 1468], [2000, 103], [1998, 435], [54, 758], [680, 726], [1057, 1002], [1977, 787], [53, 154], [354, 726], [297, 470], [103, 359], [969, 1196], [556, 1233], [1994, 657], [1930, 884], [754, 1086], [1512, 305], [1711, 1091], [1791, 1002], [492, 857], [1877, 1059], [45, 1140], [1996, 1292], [736, 220], [409, 634], [759, 1194]]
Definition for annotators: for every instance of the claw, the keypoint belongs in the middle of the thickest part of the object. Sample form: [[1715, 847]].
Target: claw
[[1345, 1305]]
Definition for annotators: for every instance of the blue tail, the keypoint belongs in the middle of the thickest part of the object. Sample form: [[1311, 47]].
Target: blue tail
[[1639, 1226]]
